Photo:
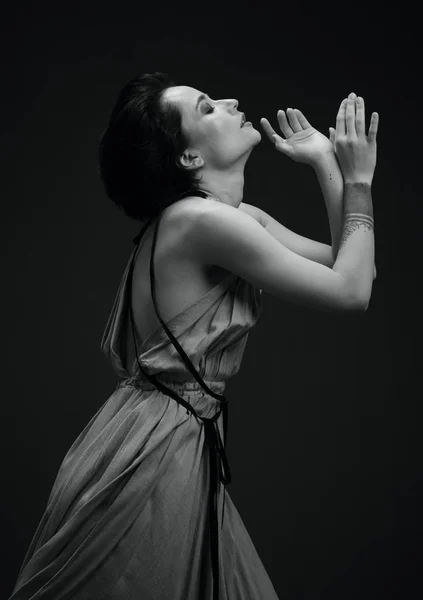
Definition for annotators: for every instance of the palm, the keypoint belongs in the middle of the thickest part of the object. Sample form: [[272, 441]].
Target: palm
[[303, 142]]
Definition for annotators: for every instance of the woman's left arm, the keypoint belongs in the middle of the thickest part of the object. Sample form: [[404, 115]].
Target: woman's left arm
[[331, 183]]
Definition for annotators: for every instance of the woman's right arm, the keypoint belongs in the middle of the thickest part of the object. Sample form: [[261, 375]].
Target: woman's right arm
[[356, 155], [355, 259], [222, 235]]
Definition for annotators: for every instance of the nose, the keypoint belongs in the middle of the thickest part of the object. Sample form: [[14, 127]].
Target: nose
[[232, 102]]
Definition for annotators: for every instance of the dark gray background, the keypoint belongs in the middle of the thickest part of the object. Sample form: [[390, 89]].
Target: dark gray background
[[325, 414]]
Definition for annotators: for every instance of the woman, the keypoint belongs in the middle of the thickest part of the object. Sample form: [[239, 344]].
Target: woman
[[138, 509]]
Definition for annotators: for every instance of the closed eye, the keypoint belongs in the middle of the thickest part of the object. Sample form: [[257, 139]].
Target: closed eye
[[211, 109]]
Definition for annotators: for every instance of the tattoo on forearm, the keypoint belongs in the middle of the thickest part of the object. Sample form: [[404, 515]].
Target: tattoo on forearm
[[352, 222], [358, 198], [358, 210]]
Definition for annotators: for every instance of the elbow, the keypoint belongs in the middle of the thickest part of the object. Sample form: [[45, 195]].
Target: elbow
[[356, 303], [365, 306], [356, 297], [356, 309], [360, 305]]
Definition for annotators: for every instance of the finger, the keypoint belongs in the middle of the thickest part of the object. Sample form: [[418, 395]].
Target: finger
[[340, 119], [350, 116], [374, 123], [293, 120], [332, 135], [283, 146], [301, 118], [277, 140], [267, 128], [360, 117], [271, 133], [284, 125]]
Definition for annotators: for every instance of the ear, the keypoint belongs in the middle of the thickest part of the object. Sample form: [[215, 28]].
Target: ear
[[191, 161]]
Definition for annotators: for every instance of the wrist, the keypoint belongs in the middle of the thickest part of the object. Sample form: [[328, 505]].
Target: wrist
[[359, 181], [324, 160], [362, 183], [358, 199]]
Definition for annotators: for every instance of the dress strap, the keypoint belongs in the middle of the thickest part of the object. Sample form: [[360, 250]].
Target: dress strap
[[217, 456]]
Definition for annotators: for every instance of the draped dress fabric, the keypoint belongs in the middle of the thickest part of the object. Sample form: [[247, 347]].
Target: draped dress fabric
[[128, 514]]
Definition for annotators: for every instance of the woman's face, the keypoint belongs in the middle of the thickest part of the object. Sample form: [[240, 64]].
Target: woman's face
[[213, 128]]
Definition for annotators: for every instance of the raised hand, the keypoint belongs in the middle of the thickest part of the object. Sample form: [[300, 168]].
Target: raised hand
[[303, 143], [356, 152]]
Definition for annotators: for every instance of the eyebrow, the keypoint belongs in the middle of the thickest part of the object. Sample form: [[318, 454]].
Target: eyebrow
[[200, 97]]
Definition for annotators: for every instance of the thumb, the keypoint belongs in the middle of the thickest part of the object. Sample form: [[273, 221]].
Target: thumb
[[332, 135], [282, 146]]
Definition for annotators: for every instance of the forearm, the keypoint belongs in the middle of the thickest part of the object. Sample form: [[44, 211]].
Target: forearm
[[355, 259], [331, 183]]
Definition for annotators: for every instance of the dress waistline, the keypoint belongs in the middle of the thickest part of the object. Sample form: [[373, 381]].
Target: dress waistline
[[177, 386]]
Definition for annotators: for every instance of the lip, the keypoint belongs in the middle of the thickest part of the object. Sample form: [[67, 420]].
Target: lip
[[242, 117]]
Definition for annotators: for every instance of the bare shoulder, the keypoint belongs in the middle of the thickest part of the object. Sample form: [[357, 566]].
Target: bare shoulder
[[235, 240], [177, 220], [192, 205], [185, 218], [178, 226], [253, 211], [188, 207]]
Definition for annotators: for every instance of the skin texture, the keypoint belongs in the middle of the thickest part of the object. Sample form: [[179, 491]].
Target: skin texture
[[358, 209], [352, 223], [358, 199], [218, 148]]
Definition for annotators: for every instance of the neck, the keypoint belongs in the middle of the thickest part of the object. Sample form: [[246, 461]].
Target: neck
[[228, 189]]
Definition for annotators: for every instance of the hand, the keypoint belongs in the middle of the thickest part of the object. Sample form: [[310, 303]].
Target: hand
[[356, 152], [303, 142]]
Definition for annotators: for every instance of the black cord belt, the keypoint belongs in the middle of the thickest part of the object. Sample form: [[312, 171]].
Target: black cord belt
[[217, 458]]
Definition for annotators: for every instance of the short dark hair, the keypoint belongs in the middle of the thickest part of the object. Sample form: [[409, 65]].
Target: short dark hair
[[139, 149]]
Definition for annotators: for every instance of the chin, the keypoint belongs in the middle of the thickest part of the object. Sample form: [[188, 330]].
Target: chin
[[258, 136]]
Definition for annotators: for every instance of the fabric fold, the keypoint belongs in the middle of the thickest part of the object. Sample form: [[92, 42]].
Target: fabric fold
[[129, 511]]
